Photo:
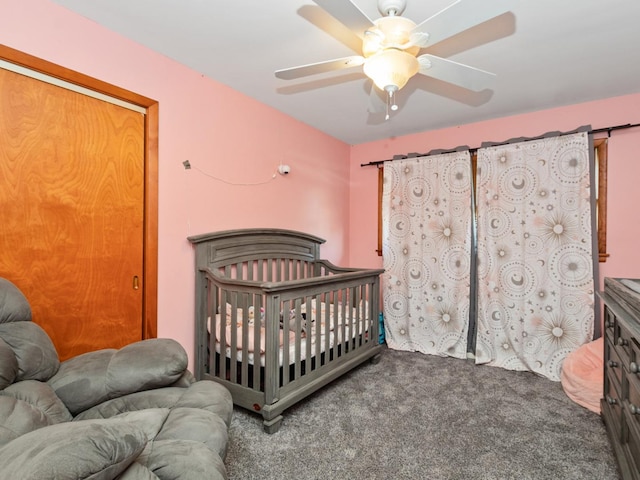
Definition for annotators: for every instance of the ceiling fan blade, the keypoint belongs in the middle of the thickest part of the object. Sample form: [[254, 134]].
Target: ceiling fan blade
[[320, 67], [457, 17], [347, 13], [456, 73]]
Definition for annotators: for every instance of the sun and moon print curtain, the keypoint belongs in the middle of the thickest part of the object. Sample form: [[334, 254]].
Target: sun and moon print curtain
[[535, 253], [534, 284], [426, 209]]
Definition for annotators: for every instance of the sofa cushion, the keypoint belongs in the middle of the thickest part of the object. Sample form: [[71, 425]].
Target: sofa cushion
[[211, 396], [197, 425], [92, 449], [80, 383], [27, 406], [183, 459], [8, 365], [136, 471], [18, 418], [95, 377], [160, 398], [41, 396], [204, 395], [14, 306], [36, 356], [159, 362]]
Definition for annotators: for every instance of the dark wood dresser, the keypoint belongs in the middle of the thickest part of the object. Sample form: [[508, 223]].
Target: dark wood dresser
[[621, 402]]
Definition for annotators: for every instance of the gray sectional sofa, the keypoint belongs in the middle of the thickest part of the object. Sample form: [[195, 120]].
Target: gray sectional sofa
[[135, 413]]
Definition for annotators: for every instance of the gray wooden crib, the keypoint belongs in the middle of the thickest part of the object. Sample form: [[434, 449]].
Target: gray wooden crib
[[274, 322]]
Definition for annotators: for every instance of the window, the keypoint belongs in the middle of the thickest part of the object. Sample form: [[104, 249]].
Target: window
[[600, 153], [600, 147]]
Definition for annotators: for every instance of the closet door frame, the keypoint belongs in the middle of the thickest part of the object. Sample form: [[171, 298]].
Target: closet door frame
[[150, 240]]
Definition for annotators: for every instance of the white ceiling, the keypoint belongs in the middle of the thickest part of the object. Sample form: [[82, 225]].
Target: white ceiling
[[545, 53]]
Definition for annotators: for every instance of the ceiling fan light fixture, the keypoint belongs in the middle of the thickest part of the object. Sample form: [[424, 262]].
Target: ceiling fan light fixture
[[391, 68]]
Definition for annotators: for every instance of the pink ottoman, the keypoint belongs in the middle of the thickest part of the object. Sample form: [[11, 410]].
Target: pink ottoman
[[582, 375]]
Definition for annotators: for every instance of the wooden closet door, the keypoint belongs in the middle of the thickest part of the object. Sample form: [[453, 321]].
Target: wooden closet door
[[71, 212]]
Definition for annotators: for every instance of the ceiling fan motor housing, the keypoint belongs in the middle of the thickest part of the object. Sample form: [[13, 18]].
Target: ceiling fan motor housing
[[392, 7]]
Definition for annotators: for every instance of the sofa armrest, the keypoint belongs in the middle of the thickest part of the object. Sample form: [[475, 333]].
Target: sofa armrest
[[94, 377]]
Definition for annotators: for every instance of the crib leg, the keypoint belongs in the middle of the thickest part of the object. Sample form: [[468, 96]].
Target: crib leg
[[273, 425], [375, 359]]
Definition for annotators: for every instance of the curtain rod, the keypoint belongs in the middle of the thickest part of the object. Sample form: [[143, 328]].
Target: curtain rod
[[473, 150]]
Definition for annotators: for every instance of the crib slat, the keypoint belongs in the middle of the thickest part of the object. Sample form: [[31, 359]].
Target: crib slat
[[358, 326], [233, 371], [308, 336], [271, 365], [214, 292], [244, 367], [343, 315], [298, 326], [258, 326], [327, 326], [259, 271], [316, 330], [288, 267]]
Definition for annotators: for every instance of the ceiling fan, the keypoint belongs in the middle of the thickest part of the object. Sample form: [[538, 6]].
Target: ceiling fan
[[390, 46]]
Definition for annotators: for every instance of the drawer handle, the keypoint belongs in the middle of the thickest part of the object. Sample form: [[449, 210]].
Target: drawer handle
[[633, 366], [610, 323], [634, 410], [612, 364], [611, 400], [622, 342]]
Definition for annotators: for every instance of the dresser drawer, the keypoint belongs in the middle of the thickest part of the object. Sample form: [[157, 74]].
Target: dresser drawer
[[612, 403], [609, 321], [634, 363], [623, 342], [631, 441], [613, 363], [633, 396]]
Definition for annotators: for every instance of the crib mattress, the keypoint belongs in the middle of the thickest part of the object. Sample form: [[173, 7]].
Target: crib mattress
[[320, 341]]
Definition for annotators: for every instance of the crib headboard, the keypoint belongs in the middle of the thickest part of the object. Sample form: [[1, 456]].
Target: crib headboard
[[232, 247]]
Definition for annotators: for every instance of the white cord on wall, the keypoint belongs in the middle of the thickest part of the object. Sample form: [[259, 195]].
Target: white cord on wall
[[282, 170]]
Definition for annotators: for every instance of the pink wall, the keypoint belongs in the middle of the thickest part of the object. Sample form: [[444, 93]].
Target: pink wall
[[623, 228], [221, 132]]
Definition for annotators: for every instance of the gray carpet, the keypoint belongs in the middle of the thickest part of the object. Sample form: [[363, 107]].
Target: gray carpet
[[415, 416]]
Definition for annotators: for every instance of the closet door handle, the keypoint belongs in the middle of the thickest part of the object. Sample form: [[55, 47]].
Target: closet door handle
[[634, 410], [611, 400], [136, 282], [612, 364], [633, 367], [622, 342]]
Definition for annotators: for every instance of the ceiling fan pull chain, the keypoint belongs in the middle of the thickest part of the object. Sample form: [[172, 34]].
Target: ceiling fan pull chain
[[391, 99]]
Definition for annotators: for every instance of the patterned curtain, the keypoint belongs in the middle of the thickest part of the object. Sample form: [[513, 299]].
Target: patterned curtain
[[535, 262], [426, 210]]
